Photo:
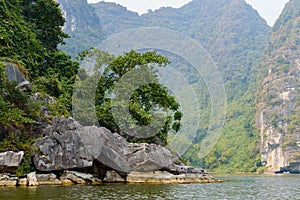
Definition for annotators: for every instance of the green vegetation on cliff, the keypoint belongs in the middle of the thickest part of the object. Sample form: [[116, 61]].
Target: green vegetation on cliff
[[82, 25], [29, 39], [278, 100]]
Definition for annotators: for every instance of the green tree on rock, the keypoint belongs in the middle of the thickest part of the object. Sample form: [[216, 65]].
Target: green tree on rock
[[149, 104]]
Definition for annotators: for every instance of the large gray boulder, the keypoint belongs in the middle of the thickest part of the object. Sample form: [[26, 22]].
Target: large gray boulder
[[148, 157], [61, 148], [115, 152], [69, 146], [10, 161], [13, 74]]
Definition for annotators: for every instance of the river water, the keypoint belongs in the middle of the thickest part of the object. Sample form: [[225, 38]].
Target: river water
[[234, 187]]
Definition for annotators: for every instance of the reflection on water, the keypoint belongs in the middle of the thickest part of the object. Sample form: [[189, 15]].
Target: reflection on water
[[234, 187]]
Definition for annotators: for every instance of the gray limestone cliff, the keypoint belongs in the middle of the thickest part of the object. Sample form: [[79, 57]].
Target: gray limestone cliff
[[82, 25], [278, 107]]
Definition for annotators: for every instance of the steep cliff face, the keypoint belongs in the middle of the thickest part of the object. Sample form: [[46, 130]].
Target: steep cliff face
[[279, 107], [82, 24], [79, 15]]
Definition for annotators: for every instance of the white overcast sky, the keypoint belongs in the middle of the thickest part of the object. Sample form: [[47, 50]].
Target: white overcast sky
[[268, 9]]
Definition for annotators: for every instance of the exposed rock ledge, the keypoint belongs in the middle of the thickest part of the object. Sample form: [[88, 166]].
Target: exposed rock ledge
[[10, 161], [72, 154], [75, 178]]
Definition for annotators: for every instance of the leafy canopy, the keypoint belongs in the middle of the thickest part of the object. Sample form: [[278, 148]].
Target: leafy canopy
[[149, 104]]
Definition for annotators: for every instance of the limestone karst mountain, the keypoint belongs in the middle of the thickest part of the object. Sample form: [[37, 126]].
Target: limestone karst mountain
[[82, 25], [279, 112]]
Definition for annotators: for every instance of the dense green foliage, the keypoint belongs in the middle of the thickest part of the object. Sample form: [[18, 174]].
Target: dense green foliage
[[143, 101], [26, 38], [17, 40], [30, 32], [46, 24]]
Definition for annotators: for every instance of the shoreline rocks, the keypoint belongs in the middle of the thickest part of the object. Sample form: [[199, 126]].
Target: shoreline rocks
[[10, 161], [164, 177], [31, 179], [78, 178], [8, 180], [48, 179], [71, 154], [113, 177]]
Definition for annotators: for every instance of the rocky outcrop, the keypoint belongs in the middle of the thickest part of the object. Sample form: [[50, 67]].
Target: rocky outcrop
[[31, 179], [61, 148], [7, 180], [48, 179], [278, 109], [69, 147], [45, 101], [168, 178], [15, 75], [10, 161]]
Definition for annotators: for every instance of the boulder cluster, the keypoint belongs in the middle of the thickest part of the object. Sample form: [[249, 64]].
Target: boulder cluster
[[69, 153]]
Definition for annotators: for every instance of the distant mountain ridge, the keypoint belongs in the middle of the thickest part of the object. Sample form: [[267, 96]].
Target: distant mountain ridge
[[226, 28]]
